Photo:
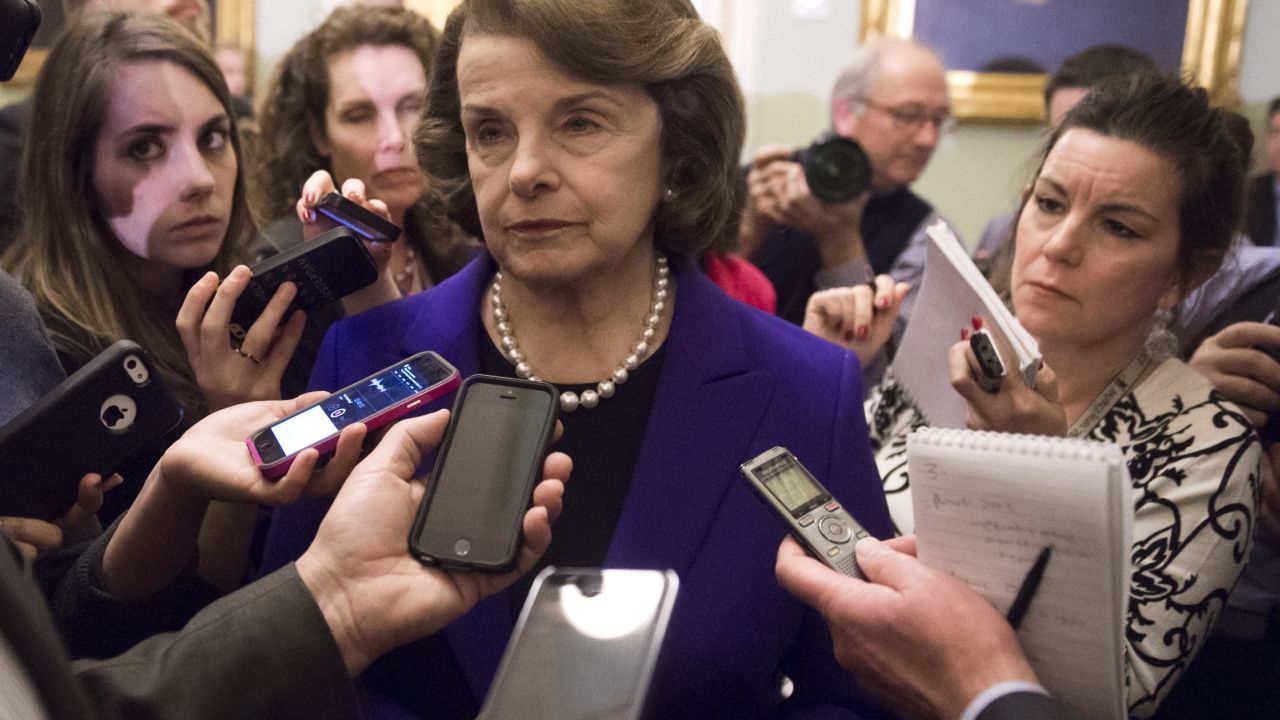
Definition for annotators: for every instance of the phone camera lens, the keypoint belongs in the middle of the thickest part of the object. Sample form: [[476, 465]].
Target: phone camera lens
[[131, 364]]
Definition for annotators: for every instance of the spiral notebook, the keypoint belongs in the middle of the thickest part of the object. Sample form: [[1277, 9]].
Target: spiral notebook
[[985, 504], [952, 293]]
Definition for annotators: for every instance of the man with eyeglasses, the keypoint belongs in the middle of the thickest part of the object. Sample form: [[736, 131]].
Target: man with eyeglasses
[[892, 100]]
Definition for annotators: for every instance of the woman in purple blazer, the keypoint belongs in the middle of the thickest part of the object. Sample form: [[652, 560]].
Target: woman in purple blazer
[[594, 148]]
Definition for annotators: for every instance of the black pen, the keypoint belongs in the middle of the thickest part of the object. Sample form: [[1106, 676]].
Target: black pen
[[1022, 600]]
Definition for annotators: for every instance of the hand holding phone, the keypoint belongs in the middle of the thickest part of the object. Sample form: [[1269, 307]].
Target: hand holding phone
[[814, 517], [484, 474], [375, 401], [323, 269], [94, 422], [366, 223]]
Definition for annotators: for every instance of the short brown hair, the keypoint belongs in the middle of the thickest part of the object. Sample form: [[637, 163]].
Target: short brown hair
[[293, 110], [659, 44]]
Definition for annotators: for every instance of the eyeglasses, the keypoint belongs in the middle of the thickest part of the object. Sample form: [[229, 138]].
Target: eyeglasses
[[911, 118]]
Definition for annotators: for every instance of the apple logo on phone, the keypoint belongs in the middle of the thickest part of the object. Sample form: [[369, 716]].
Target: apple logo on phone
[[118, 413]]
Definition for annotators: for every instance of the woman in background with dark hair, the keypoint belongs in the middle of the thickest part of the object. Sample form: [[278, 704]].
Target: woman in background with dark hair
[[1135, 202], [594, 147]]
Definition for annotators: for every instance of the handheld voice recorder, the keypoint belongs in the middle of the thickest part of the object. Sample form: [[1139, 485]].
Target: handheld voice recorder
[[814, 517]]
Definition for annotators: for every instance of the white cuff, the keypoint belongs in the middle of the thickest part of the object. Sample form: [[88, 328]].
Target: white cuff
[[997, 691]]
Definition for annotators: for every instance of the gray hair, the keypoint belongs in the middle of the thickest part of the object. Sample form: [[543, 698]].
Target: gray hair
[[857, 78]]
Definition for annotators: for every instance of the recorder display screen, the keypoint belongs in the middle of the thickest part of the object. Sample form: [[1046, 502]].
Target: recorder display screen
[[358, 403], [790, 484]]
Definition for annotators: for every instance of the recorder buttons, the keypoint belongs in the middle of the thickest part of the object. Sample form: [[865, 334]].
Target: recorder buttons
[[805, 521], [834, 529], [462, 547], [833, 552], [832, 506]]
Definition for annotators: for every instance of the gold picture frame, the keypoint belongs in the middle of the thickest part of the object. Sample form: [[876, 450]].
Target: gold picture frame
[[1210, 59], [233, 23]]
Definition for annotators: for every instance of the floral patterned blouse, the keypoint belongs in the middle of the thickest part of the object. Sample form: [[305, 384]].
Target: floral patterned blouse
[[1193, 460]]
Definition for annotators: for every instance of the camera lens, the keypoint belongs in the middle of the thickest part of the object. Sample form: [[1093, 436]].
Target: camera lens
[[836, 169], [131, 364]]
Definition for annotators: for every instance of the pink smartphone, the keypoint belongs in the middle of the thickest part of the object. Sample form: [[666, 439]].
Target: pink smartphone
[[375, 401]]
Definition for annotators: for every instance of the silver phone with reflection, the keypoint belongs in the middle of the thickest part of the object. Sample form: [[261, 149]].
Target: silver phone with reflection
[[814, 517], [585, 646]]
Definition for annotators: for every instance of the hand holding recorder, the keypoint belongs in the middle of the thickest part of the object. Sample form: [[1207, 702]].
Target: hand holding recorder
[[373, 593], [919, 639], [1011, 406]]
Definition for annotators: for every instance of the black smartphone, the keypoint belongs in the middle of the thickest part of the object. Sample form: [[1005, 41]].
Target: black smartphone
[[19, 20], [324, 269], [484, 474], [94, 421], [990, 371], [375, 401], [368, 224], [585, 646], [812, 515]]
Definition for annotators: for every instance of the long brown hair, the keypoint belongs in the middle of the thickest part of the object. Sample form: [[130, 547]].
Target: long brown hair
[[64, 255]]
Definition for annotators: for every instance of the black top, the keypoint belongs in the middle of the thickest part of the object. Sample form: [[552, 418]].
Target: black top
[[1260, 210], [789, 257], [604, 444]]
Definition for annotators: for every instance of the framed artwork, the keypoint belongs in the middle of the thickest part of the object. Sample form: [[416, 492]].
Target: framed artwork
[[232, 21], [999, 52]]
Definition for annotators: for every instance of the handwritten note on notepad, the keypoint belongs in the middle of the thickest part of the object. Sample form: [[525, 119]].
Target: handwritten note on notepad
[[986, 503]]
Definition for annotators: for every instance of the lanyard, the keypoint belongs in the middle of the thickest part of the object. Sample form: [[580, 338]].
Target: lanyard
[[1119, 386]]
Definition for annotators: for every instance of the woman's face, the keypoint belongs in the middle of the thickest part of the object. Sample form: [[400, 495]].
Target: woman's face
[[567, 173], [1097, 242], [376, 94], [164, 170]]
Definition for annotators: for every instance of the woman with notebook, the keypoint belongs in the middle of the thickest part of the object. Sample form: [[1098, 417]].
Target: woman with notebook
[[1136, 199]]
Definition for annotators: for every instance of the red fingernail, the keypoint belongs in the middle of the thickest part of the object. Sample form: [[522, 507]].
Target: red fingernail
[[309, 197], [964, 333], [863, 331], [883, 302], [977, 323]]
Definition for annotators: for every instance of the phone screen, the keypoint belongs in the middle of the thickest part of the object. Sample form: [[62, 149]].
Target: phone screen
[[482, 488], [356, 404], [790, 484], [585, 647]]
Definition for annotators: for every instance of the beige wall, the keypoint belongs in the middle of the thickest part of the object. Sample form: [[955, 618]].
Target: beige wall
[[978, 170]]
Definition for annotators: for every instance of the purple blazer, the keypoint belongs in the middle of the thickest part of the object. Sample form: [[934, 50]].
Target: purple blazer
[[734, 383]]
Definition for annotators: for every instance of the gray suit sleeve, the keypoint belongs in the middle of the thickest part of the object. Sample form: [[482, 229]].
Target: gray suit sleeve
[[262, 652]]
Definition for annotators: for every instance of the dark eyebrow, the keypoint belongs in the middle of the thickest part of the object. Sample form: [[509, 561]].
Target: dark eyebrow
[[1109, 207], [560, 105], [582, 97]]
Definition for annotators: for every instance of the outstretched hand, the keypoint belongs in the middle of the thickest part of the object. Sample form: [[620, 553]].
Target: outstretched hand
[[373, 593], [860, 318], [918, 638]]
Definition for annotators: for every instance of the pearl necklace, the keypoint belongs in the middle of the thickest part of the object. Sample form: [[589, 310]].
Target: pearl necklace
[[570, 401]]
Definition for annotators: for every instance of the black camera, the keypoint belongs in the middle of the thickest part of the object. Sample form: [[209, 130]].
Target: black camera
[[836, 168]]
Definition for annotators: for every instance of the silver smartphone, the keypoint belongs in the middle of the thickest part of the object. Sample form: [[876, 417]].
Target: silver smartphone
[[584, 647], [814, 517]]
